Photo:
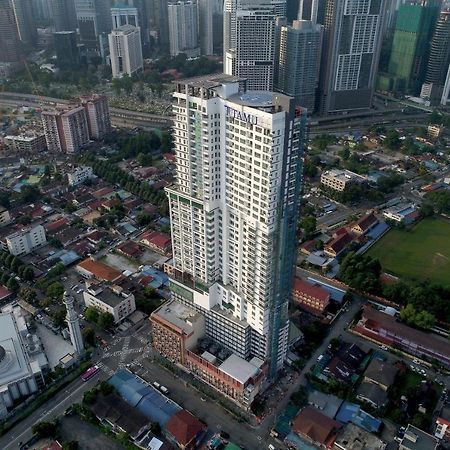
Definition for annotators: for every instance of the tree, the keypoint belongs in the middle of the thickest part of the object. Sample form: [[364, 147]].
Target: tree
[[344, 153], [27, 294], [421, 319], [299, 398], [70, 445], [89, 336], [13, 285], [392, 140], [105, 388], [59, 318], [144, 160], [105, 320], [89, 397], [91, 314], [55, 290], [44, 429], [308, 225], [426, 209]]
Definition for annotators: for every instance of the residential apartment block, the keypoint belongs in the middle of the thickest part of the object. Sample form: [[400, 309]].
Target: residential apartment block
[[78, 175], [183, 28], [238, 178], [23, 241], [5, 217], [69, 130], [110, 299], [443, 424], [32, 143]]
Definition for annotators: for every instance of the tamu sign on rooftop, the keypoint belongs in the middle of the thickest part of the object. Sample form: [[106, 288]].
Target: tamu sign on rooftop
[[249, 118]]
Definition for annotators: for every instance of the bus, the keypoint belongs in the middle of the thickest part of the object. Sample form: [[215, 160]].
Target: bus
[[90, 373]]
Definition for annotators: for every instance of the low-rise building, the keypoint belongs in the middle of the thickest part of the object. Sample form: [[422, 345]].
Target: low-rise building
[[90, 268], [338, 244], [340, 180], [315, 427], [26, 142], [110, 299], [416, 439], [364, 224], [352, 437], [310, 297], [185, 430], [443, 424], [404, 213], [176, 330], [387, 330], [435, 131], [381, 374], [24, 241], [22, 360], [78, 175], [155, 240], [372, 394]]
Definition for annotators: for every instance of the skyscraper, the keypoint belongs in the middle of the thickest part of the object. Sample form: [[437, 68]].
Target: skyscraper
[[125, 49], [63, 14], [249, 40], [234, 210], [298, 62], [183, 28], [66, 49], [94, 20], [124, 15], [158, 23], [210, 18], [439, 60], [73, 323], [26, 25], [410, 46], [10, 51], [351, 48], [445, 99]]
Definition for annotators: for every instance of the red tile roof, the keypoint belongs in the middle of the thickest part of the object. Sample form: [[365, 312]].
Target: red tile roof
[[378, 321], [339, 243], [366, 222], [130, 248], [311, 290], [159, 240], [56, 225], [310, 422], [99, 270], [103, 192], [4, 292], [184, 427]]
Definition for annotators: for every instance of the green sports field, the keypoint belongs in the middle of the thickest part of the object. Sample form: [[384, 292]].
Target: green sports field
[[421, 253]]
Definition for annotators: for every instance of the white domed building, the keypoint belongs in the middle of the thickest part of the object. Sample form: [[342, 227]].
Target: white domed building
[[22, 360]]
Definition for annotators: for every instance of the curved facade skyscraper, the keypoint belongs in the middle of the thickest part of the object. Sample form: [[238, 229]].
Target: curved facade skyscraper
[[439, 59]]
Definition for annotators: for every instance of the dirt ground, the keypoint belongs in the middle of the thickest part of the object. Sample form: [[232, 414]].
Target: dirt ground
[[88, 437]]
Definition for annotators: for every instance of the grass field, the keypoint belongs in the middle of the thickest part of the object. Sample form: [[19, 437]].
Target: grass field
[[421, 253]]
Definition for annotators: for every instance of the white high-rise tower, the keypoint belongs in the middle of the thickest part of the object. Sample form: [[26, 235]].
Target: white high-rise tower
[[234, 209], [74, 325], [249, 40]]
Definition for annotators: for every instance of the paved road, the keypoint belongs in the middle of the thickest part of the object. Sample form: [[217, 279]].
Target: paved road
[[51, 410]]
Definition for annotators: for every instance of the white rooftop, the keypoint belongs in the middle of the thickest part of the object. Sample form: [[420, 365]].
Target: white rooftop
[[238, 368], [14, 365]]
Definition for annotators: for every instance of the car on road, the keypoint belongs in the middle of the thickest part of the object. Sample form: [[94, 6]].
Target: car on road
[[156, 385], [383, 347], [416, 361], [164, 390]]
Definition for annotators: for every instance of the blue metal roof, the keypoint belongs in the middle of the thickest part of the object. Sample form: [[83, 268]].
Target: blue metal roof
[[351, 412], [148, 400]]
